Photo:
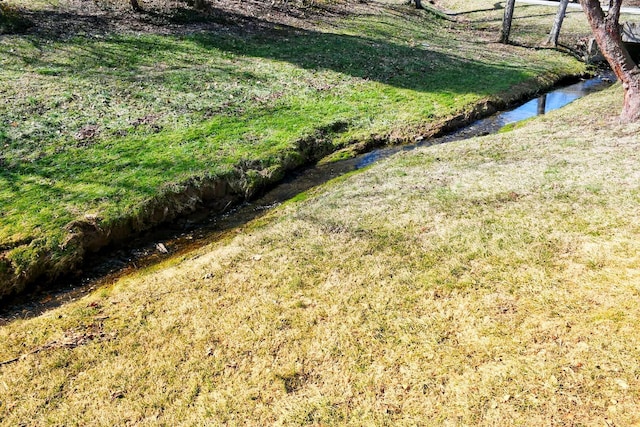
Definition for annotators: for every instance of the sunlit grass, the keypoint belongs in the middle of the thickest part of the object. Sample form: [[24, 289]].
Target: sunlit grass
[[492, 281]]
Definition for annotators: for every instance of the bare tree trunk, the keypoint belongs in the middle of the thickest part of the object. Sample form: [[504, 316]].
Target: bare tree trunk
[[557, 23], [606, 30], [135, 5], [506, 21], [419, 4]]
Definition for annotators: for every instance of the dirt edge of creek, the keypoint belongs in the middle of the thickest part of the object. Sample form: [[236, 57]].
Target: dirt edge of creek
[[216, 194]]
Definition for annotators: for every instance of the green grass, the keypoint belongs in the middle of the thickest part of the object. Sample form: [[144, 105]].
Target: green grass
[[98, 126]]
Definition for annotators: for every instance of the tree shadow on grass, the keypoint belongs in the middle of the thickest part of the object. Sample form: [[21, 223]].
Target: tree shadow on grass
[[375, 58], [156, 17], [418, 67]]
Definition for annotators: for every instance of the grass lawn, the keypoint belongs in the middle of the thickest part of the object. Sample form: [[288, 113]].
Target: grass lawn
[[104, 130], [492, 281]]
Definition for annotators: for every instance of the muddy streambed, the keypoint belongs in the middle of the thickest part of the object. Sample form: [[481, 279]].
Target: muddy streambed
[[201, 228]]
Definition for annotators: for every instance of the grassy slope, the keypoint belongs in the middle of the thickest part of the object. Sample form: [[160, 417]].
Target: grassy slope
[[97, 126], [492, 281]]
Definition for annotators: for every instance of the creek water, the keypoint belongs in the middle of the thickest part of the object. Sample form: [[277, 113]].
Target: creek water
[[540, 105], [201, 228]]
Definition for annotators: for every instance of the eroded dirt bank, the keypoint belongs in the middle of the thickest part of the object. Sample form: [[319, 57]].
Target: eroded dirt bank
[[248, 179]]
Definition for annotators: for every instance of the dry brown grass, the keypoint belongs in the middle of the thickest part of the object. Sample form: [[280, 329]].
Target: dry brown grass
[[493, 281]]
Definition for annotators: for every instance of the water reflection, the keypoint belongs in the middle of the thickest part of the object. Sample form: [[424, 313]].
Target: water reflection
[[549, 101], [542, 104]]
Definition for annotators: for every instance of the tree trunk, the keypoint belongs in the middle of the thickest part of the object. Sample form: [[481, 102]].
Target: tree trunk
[[135, 5], [557, 23], [606, 30], [419, 4], [506, 21]]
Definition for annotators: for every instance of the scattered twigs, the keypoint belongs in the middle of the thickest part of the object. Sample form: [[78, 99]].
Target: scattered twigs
[[71, 339]]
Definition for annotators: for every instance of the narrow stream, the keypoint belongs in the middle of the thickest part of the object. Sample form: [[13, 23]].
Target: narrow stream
[[201, 228], [549, 101]]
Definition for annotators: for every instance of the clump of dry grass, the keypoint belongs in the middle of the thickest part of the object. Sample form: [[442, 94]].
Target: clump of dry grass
[[492, 281]]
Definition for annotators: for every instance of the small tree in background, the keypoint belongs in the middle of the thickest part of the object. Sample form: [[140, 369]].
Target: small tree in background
[[557, 23], [506, 21]]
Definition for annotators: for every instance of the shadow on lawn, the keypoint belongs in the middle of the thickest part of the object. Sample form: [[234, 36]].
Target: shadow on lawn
[[419, 68], [136, 60], [376, 58]]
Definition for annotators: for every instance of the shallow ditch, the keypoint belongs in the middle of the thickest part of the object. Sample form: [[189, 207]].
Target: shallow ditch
[[196, 230]]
